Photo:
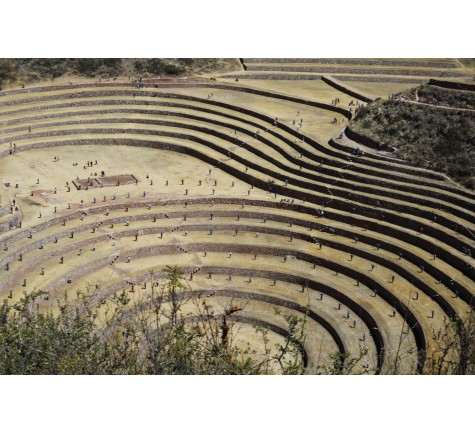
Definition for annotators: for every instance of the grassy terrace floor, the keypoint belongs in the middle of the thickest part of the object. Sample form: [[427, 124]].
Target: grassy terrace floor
[[262, 211]]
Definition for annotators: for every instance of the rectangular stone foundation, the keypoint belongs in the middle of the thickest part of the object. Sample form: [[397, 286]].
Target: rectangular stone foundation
[[106, 181]]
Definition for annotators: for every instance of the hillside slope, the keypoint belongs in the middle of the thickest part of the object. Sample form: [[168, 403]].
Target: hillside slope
[[30, 70], [433, 136]]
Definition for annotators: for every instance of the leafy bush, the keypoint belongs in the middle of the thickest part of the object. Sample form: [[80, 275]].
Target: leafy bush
[[87, 66], [92, 67], [432, 137], [151, 336], [154, 66], [173, 70], [28, 70], [186, 62], [439, 96], [8, 70]]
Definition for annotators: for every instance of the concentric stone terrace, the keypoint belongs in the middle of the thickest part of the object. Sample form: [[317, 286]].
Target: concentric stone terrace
[[395, 70], [242, 188]]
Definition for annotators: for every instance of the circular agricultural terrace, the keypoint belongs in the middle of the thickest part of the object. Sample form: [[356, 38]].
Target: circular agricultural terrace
[[253, 192]]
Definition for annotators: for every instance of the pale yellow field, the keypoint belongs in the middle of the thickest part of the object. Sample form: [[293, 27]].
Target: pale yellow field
[[220, 236]]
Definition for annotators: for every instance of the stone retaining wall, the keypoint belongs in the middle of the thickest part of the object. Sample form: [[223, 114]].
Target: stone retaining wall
[[363, 212], [298, 148], [367, 141], [265, 118], [380, 62], [331, 81], [452, 85], [312, 176], [357, 71], [306, 77], [355, 307], [264, 76], [132, 92], [430, 269], [391, 211], [5, 209], [392, 301]]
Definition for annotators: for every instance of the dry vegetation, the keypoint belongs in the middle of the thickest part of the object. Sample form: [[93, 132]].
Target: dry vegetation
[[429, 136], [438, 96], [296, 251], [31, 70]]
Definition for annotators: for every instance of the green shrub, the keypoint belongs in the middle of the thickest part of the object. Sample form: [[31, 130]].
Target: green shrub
[[186, 62], [173, 70], [154, 66], [150, 336], [87, 66], [430, 136]]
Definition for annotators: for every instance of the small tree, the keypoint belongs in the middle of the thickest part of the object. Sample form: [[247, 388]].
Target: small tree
[[455, 351]]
